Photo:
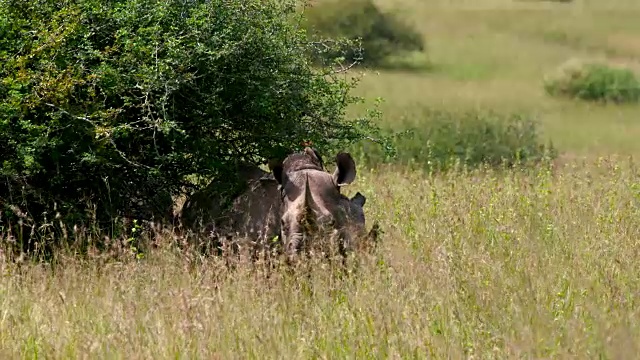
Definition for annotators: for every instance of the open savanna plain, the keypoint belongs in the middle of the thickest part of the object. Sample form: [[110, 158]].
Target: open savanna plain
[[535, 262]]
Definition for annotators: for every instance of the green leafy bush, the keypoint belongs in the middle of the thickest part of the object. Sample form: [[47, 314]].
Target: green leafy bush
[[112, 104], [381, 34], [444, 139], [594, 82]]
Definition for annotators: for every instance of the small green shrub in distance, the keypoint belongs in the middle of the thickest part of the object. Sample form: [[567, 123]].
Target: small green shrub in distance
[[594, 82], [382, 34], [443, 139]]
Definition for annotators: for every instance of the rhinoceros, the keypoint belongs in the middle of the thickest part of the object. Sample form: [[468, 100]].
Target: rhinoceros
[[256, 213], [312, 201], [249, 209], [207, 206]]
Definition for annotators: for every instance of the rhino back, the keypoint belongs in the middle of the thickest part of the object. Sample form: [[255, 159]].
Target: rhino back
[[256, 213], [208, 206]]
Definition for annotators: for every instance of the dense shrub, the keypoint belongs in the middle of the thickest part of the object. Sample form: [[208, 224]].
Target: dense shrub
[[594, 82], [443, 139], [115, 103], [381, 34]]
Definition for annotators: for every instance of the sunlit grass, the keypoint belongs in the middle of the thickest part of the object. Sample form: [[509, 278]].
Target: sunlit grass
[[535, 263], [539, 263], [496, 54]]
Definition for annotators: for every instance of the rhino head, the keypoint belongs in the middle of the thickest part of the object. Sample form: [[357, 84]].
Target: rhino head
[[311, 200]]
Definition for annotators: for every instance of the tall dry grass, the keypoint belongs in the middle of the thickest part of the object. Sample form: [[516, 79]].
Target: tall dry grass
[[538, 263]]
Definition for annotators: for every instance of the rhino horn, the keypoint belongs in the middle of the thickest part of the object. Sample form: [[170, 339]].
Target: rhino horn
[[308, 216]]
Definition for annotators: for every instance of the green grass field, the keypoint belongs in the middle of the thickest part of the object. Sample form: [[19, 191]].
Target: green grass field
[[535, 263], [495, 55]]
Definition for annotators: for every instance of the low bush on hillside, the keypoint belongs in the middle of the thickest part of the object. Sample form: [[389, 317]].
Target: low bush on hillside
[[445, 139], [381, 35], [594, 82]]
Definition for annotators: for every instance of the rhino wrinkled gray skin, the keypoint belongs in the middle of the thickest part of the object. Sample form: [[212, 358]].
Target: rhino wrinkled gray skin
[[258, 212], [311, 200], [254, 214], [251, 214]]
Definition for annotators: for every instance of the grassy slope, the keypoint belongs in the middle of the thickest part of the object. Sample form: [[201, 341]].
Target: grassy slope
[[494, 265], [540, 264], [495, 54]]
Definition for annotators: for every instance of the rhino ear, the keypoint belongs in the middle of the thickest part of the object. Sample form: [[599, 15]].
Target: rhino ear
[[276, 168], [359, 199], [345, 169]]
